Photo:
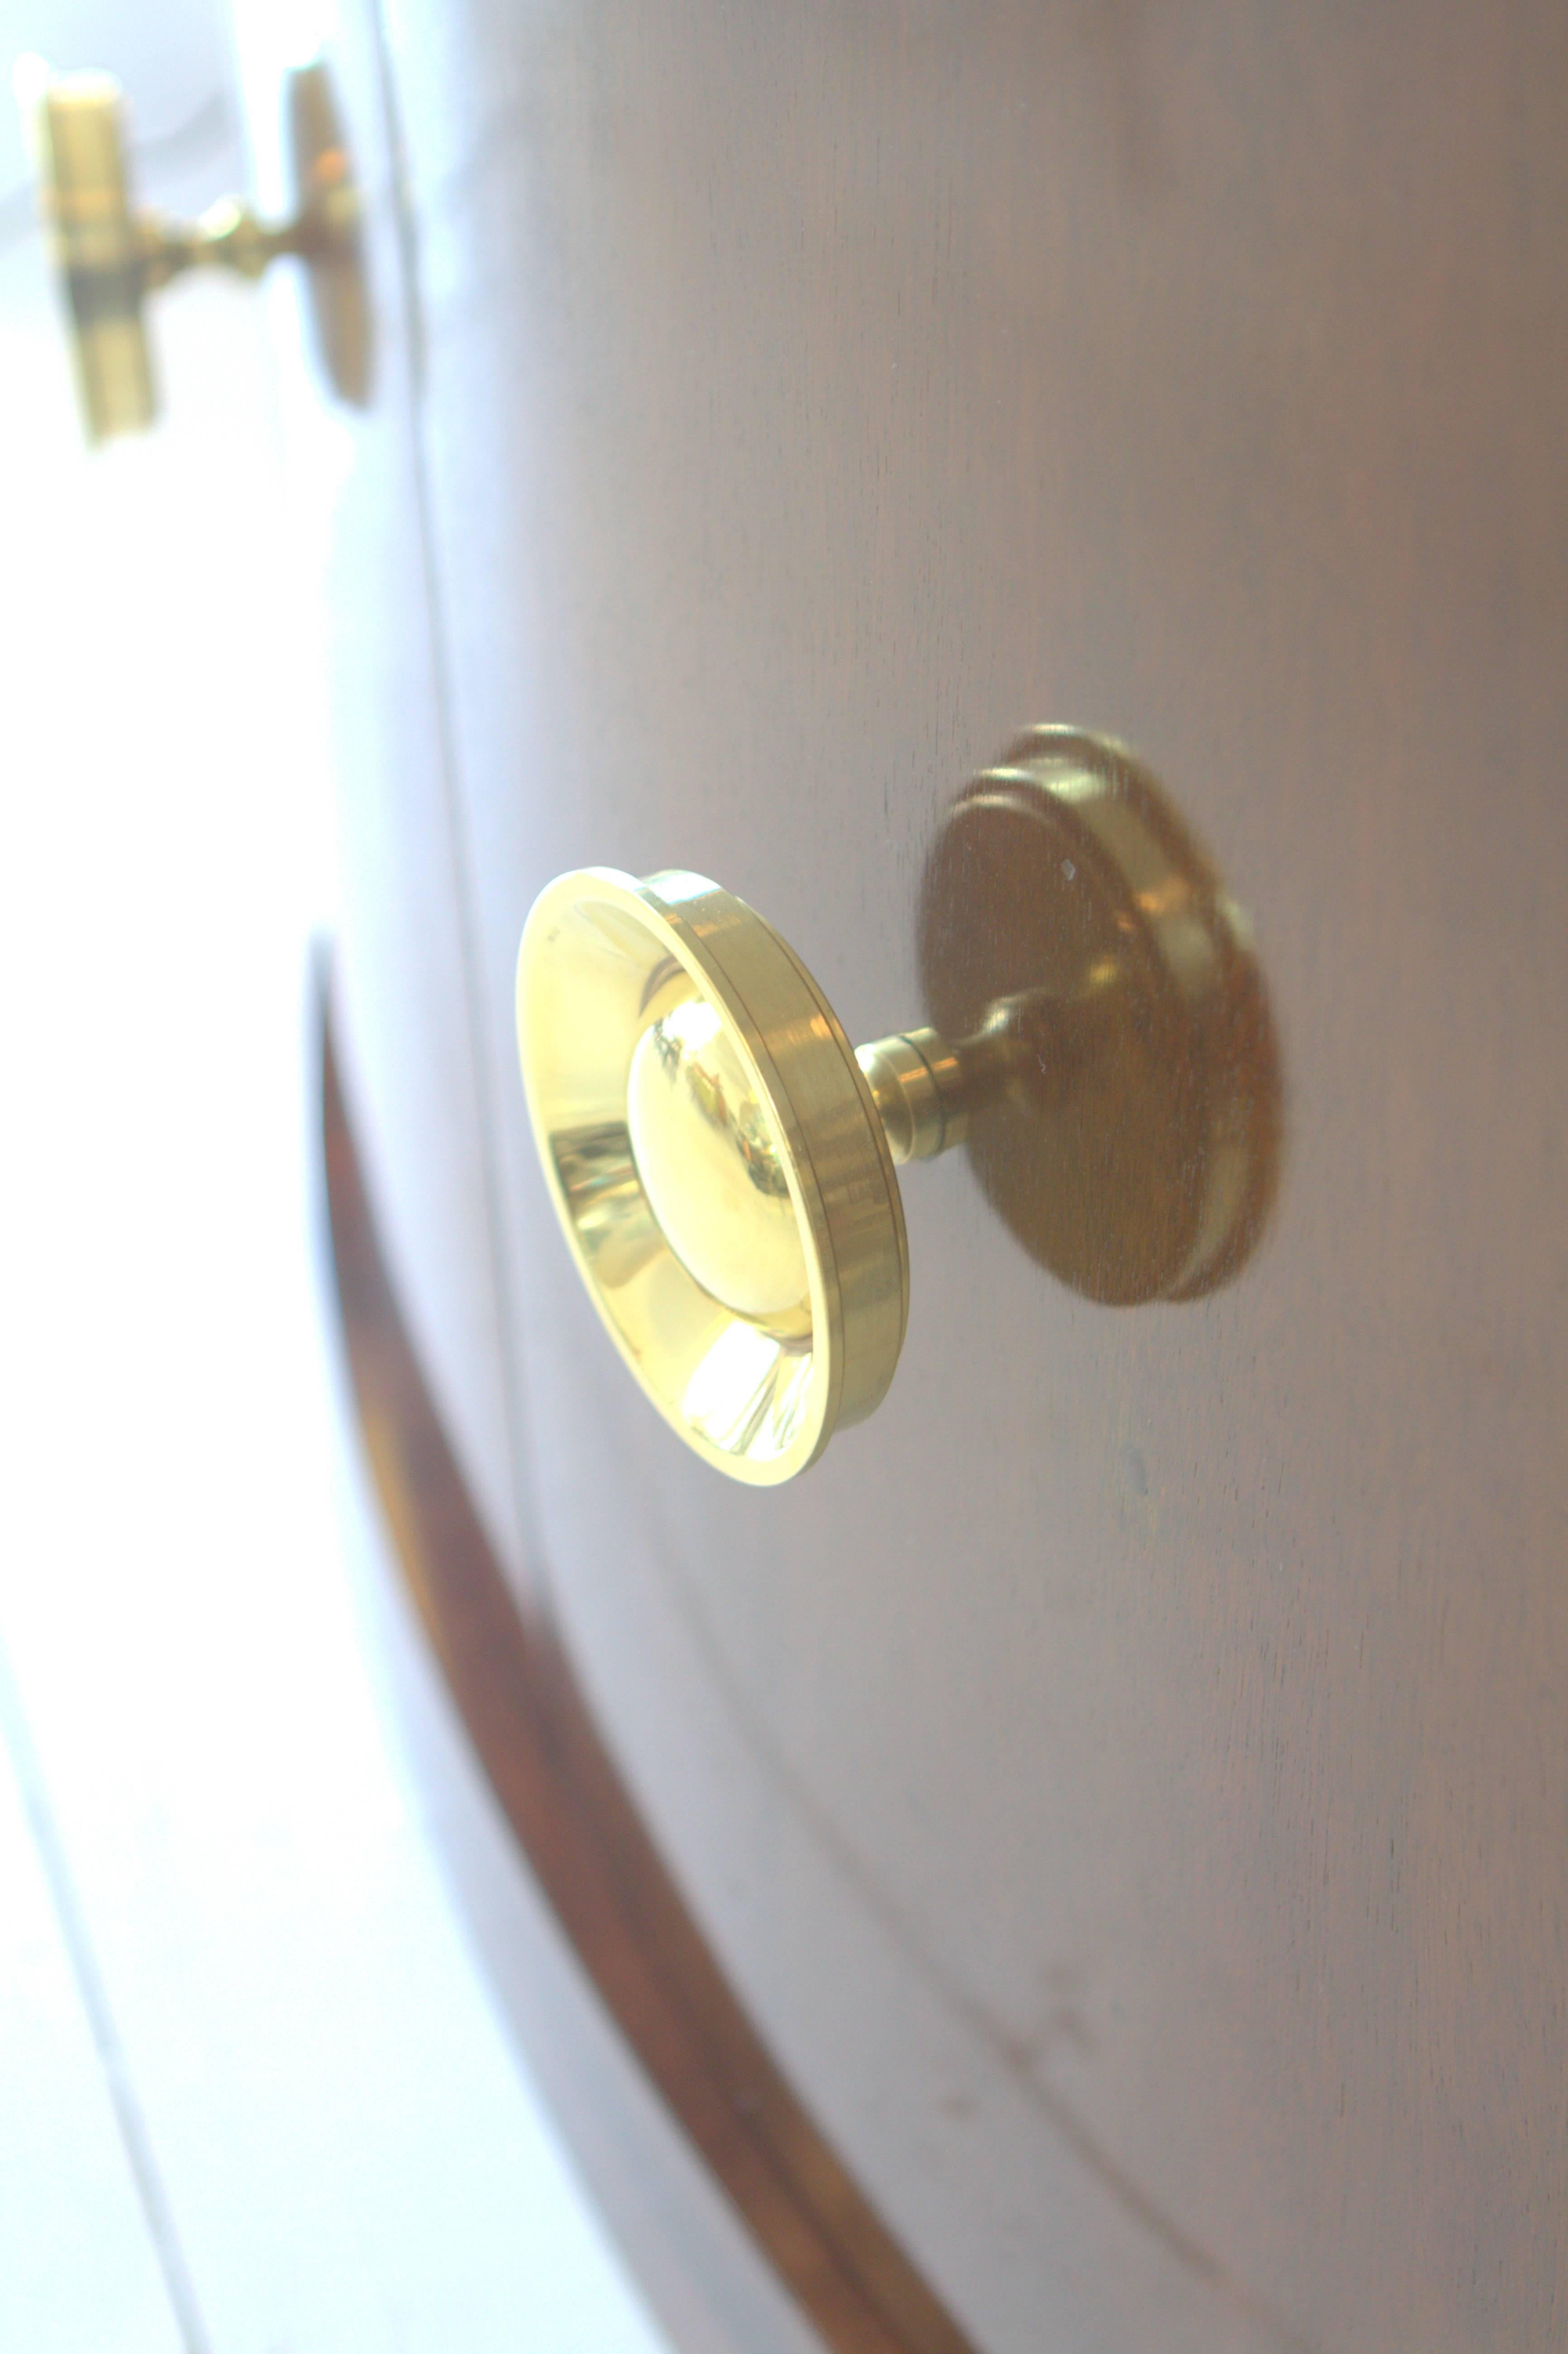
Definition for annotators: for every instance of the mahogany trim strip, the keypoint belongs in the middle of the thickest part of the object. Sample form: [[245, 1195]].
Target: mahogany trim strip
[[585, 1839]]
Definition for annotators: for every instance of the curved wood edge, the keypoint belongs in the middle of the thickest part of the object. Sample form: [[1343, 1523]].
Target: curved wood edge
[[580, 1830]]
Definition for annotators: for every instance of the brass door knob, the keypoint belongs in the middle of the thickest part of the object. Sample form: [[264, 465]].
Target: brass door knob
[[722, 1159], [110, 255]]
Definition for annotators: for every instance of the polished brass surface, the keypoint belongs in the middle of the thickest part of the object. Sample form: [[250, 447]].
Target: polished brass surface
[[680, 1064], [722, 1162], [1133, 1144], [110, 255], [712, 1164], [921, 1089]]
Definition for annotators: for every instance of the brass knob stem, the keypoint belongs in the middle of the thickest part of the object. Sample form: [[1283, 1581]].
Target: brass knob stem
[[917, 1082], [927, 1089], [230, 235]]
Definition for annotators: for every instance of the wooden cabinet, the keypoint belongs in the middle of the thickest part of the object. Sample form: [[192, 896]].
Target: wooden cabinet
[[1122, 1785]]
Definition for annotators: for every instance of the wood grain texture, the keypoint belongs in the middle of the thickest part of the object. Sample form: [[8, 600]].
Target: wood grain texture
[[1127, 1777], [582, 1838]]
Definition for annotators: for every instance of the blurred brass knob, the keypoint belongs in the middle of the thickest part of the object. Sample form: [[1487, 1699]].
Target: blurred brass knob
[[110, 255], [722, 1159]]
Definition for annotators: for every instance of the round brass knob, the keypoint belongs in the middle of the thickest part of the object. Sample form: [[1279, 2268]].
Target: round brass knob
[[717, 1162], [722, 1159], [110, 254]]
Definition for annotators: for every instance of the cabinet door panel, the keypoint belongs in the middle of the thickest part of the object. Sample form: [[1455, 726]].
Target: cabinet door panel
[[1125, 1775]]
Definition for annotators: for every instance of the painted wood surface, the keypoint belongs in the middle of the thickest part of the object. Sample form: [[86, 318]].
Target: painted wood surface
[[1127, 1776]]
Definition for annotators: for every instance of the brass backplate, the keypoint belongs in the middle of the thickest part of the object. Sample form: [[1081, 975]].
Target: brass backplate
[[1145, 1170], [328, 204]]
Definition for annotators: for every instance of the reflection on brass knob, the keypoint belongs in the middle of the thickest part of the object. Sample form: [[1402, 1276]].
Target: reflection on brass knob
[[722, 1159], [110, 255]]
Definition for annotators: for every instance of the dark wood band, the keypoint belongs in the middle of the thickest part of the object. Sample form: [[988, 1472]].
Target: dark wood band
[[587, 1844]]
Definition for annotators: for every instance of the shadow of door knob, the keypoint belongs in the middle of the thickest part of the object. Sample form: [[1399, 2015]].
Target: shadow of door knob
[[111, 255], [721, 1161]]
